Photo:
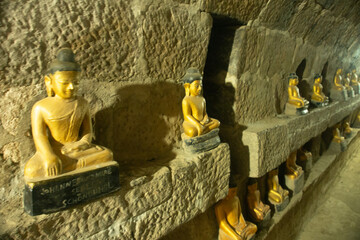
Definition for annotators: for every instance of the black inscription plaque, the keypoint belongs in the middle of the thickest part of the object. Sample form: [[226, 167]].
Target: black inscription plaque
[[68, 190]]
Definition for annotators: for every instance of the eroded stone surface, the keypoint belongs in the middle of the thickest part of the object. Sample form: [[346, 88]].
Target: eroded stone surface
[[272, 140], [170, 195]]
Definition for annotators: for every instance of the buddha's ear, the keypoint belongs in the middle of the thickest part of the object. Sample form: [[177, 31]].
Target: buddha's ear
[[187, 89], [48, 84]]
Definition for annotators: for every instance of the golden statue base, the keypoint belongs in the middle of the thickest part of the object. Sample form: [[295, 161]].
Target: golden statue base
[[201, 143], [295, 184], [292, 110], [278, 207], [52, 194], [338, 95]]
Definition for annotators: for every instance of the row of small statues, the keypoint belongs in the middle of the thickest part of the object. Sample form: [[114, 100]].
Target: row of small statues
[[341, 90], [232, 224], [67, 146]]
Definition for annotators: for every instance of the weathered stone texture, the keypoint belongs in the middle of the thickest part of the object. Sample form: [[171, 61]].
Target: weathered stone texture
[[162, 198], [266, 137]]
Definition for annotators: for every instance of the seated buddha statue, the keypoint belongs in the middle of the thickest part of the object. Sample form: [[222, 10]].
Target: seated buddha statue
[[61, 124], [232, 224], [276, 194], [295, 101], [318, 98], [257, 209], [292, 169], [355, 81], [196, 120], [349, 89], [338, 91], [338, 82]]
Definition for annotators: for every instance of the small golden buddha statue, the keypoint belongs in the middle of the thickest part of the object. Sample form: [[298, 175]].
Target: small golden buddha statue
[[337, 135], [349, 89], [338, 91], [257, 209], [296, 105], [232, 224], [196, 120], [338, 143], [347, 128], [355, 81], [292, 170], [276, 194], [61, 124], [318, 98], [338, 82]]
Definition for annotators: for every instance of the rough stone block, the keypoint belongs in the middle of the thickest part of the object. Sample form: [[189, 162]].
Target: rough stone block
[[152, 201], [271, 140]]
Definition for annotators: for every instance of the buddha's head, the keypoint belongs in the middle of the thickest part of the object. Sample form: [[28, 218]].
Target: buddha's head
[[62, 77], [339, 71], [354, 70], [348, 75], [192, 82], [293, 79], [318, 78]]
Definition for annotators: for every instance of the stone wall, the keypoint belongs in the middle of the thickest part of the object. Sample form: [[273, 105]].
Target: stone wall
[[133, 54]]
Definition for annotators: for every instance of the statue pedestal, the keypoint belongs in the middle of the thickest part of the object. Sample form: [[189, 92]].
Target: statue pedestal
[[280, 206], [338, 95], [336, 147], [351, 93], [47, 195], [265, 222], [295, 184], [356, 89], [201, 143], [292, 110], [319, 104]]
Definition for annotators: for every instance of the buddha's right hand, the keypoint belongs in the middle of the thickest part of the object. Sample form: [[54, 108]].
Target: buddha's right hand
[[53, 166]]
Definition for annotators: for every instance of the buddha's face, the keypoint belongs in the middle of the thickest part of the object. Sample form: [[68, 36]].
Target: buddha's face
[[294, 81], [339, 71], [65, 83], [195, 88], [354, 70], [318, 80]]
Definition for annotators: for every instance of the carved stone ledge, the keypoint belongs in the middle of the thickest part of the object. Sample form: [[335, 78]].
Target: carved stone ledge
[[271, 140], [152, 201]]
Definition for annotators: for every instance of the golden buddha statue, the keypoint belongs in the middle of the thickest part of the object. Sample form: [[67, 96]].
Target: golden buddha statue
[[196, 120], [337, 134], [295, 101], [338, 91], [61, 124], [257, 209], [338, 82], [347, 128], [349, 89], [318, 98], [276, 194], [355, 81], [232, 224], [292, 169]]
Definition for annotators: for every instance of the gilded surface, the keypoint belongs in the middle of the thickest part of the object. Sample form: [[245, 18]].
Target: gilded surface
[[196, 121], [294, 95], [338, 82], [292, 169], [318, 95], [232, 224], [61, 124], [257, 209], [276, 193]]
